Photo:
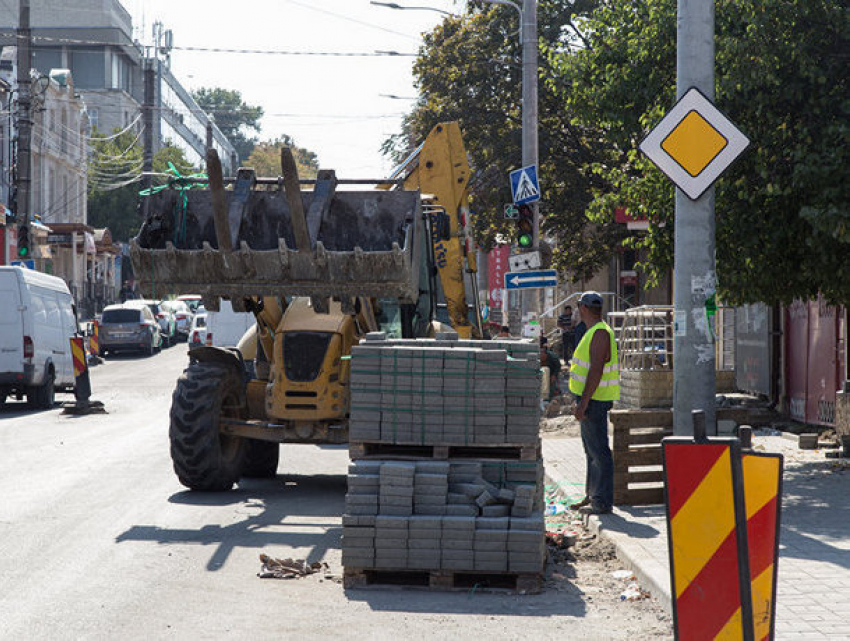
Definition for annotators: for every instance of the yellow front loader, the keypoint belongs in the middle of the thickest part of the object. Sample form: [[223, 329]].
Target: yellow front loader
[[319, 269]]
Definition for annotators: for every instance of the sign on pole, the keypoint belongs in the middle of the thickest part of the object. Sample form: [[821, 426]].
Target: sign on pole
[[525, 262], [524, 185], [531, 280], [27, 264], [694, 144]]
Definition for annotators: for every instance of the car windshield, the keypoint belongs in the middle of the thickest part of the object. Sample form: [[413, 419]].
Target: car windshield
[[121, 316], [200, 321]]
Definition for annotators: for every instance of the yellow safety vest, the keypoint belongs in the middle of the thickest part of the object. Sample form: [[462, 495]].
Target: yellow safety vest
[[609, 384]]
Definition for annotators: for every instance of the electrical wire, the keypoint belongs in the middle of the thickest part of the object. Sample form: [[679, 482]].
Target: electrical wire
[[271, 52]]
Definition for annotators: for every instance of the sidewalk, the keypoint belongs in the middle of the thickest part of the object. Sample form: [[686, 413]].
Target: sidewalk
[[813, 591]]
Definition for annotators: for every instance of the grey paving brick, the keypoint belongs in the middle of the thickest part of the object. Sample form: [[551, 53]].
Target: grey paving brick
[[462, 523], [424, 544], [396, 510], [351, 520], [492, 523], [430, 510], [462, 510]]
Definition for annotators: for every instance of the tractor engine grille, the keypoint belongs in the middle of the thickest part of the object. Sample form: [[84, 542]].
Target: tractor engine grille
[[303, 354]]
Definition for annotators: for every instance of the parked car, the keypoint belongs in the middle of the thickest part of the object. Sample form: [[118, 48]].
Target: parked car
[[37, 321], [192, 300], [182, 313], [166, 318], [225, 327], [129, 327], [198, 332]]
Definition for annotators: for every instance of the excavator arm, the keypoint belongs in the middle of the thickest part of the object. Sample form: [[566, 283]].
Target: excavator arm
[[440, 171]]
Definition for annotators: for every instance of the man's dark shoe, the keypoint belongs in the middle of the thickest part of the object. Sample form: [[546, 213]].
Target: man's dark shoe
[[595, 509], [584, 502]]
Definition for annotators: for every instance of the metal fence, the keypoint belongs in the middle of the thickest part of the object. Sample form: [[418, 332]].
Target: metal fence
[[645, 337]]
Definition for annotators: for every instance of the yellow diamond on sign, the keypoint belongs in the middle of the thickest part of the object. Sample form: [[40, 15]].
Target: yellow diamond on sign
[[694, 143]]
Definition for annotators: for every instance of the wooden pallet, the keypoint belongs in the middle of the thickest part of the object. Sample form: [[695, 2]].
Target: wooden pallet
[[443, 580], [508, 451], [637, 446]]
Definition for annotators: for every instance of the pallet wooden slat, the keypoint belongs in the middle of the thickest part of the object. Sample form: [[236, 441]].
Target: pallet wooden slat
[[443, 580], [517, 452]]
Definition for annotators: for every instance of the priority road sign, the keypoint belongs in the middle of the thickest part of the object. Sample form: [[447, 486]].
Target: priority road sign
[[694, 144], [524, 185], [531, 280]]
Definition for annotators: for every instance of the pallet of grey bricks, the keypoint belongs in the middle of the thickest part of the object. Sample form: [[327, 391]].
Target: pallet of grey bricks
[[444, 392], [482, 516]]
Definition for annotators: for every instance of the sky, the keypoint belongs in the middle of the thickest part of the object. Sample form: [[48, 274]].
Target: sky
[[332, 106]]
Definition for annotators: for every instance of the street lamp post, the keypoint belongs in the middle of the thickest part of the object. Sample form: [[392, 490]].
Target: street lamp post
[[393, 5]]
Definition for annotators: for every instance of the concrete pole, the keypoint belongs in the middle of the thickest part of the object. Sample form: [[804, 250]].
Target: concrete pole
[[149, 84], [24, 123], [528, 36], [694, 383]]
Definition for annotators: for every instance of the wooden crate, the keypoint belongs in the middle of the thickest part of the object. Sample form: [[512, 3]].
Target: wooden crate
[[637, 455]]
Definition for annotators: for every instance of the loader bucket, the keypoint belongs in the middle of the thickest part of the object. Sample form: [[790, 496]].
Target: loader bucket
[[365, 243]]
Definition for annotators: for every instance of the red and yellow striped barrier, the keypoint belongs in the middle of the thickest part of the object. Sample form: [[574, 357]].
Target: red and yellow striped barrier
[[78, 355], [762, 492], [94, 339], [707, 539], [723, 535]]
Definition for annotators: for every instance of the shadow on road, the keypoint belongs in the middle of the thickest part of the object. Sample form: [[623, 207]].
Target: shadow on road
[[274, 510]]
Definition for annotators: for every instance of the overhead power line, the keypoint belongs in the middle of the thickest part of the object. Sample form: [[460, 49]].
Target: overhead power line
[[270, 52]]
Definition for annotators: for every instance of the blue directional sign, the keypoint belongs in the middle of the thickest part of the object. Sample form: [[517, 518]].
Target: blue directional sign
[[28, 264], [524, 185], [531, 280]]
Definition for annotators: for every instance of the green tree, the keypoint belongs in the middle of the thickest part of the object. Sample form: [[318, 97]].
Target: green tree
[[233, 116], [265, 158], [114, 181], [469, 70], [783, 223]]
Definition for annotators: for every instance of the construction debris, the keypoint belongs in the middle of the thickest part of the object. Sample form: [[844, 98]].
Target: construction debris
[[288, 568]]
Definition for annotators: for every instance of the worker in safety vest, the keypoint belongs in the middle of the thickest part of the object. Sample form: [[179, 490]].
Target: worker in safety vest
[[595, 382]]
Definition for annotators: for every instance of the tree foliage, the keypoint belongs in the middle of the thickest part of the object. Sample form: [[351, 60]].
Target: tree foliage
[[607, 74], [233, 116], [265, 159], [782, 209], [115, 167]]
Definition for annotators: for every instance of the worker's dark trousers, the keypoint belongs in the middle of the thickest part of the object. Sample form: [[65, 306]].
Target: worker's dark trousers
[[599, 485]]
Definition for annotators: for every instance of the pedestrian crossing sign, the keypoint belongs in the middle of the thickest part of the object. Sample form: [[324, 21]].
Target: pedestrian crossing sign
[[524, 185]]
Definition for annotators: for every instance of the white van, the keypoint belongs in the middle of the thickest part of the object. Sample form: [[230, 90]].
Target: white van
[[37, 321], [226, 327]]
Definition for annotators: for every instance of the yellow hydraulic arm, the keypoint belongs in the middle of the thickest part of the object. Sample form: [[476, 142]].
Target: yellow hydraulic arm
[[440, 171]]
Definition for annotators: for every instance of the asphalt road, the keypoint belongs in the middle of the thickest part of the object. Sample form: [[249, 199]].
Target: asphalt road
[[98, 540]]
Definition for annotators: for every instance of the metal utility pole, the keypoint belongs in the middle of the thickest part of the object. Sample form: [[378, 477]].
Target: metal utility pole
[[147, 120], [528, 31], [528, 38], [694, 383], [24, 122], [209, 135]]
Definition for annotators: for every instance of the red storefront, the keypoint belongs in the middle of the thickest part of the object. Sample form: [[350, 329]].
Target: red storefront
[[815, 348]]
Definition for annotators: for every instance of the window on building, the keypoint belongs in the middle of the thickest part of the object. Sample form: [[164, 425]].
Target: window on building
[[88, 69], [93, 116]]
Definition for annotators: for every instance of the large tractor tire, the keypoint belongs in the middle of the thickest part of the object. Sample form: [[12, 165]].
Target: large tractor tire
[[203, 458], [261, 459]]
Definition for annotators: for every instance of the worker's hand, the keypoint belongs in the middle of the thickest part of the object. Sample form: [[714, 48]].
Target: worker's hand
[[578, 411]]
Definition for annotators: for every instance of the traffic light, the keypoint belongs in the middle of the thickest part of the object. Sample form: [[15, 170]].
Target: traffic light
[[525, 227], [24, 249]]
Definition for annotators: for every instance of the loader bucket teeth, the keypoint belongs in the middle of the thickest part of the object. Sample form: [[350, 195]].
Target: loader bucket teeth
[[367, 243]]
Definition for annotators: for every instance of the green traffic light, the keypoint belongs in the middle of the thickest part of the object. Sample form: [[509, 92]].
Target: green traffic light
[[23, 251], [524, 240]]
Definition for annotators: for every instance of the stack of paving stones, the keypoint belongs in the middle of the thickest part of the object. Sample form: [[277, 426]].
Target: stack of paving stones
[[458, 515], [477, 516], [444, 392]]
